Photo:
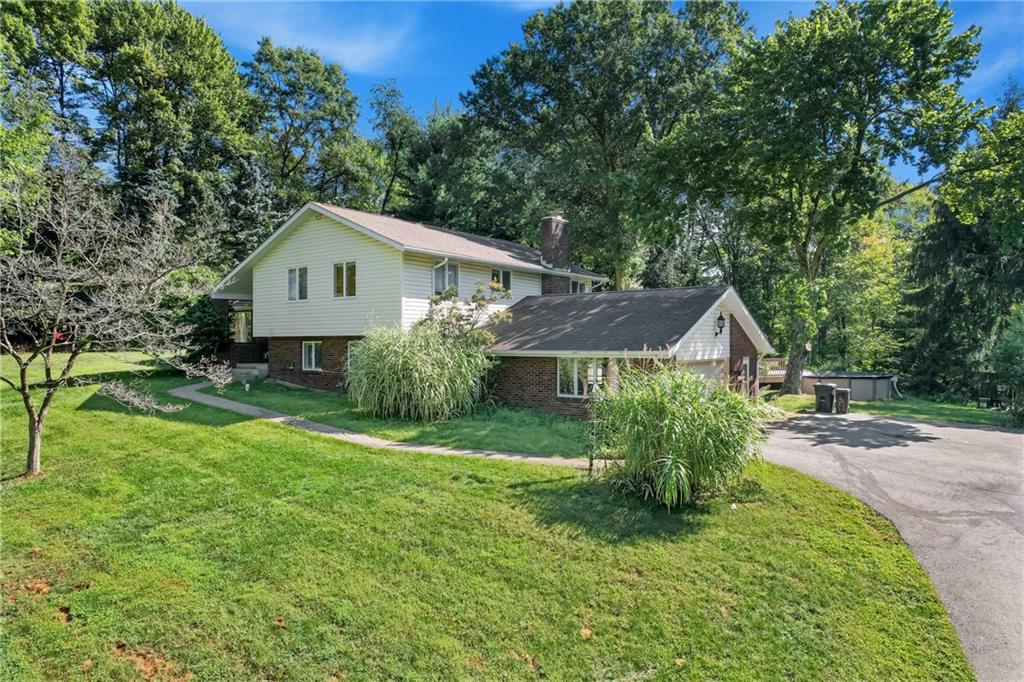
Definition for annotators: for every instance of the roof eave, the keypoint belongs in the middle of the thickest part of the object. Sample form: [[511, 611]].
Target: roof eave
[[620, 353]]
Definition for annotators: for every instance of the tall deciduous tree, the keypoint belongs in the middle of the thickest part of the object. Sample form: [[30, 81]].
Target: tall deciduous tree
[[305, 113], [587, 89], [170, 100], [397, 133], [814, 112], [465, 176]]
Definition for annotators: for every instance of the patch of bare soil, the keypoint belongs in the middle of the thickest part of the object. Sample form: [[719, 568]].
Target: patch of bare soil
[[39, 586], [65, 614], [150, 665]]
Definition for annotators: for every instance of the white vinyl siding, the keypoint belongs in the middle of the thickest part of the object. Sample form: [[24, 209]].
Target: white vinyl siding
[[713, 370], [701, 343], [418, 285], [317, 244]]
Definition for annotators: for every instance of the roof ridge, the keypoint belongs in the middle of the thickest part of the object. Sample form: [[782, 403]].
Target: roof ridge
[[431, 227], [632, 291]]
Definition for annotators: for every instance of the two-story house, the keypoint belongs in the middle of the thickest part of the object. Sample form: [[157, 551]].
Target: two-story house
[[329, 273]]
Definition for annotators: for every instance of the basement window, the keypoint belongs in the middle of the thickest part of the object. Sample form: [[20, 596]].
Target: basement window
[[312, 356], [579, 377]]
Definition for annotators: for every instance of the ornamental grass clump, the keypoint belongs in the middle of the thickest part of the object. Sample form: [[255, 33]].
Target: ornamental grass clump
[[675, 435], [421, 373]]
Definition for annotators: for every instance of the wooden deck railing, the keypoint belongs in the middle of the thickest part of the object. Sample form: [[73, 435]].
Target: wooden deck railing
[[772, 369]]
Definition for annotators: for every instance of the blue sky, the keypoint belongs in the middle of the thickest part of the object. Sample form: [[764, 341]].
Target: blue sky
[[432, 48]]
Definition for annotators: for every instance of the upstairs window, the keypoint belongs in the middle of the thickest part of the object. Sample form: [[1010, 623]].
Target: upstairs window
[[577, 286], [298, 290], [311, 356], [503, 278], [446, 276], [579, 377], [345, 279]]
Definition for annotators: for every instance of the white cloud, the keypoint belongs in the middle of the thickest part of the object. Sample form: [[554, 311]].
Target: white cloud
[[361, 44], [1007, 64]]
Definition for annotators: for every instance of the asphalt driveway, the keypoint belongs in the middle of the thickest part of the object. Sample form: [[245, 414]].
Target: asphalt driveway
[[956, 495]]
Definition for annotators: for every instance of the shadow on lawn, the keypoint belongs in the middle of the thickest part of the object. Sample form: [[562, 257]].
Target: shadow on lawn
[[193, 413], [590, 507]]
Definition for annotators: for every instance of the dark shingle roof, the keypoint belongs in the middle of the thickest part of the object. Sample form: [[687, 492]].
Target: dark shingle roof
[[432, 239], [608, 321]]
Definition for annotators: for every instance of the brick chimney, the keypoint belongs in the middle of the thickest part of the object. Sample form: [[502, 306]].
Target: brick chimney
[[554, 252]]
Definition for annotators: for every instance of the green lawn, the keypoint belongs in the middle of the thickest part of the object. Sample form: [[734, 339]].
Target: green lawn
[[200, 543], [910, 407], [491, 428]]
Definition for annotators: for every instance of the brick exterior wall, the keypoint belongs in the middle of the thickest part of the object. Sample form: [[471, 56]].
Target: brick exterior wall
[[554, 250], [531, 383], [253, 351], [553, 284], [284, 361], [740, 345]]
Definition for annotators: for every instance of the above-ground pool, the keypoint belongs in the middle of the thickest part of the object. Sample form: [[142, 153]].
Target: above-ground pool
[[862, 385]]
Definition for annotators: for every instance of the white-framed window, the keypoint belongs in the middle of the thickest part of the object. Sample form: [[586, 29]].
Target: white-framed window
[[312, 356], [502, 278], [578, 377], [578, 286], [348, 354], [446, 276], [345, 279], [241, 326], [298, 287]]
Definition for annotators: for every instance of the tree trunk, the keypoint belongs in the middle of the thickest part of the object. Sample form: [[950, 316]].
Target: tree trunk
[[33, 463], [799, 351]]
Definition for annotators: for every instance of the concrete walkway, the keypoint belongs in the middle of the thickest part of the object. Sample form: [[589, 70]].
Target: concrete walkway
[[955, 493], [192, 393]]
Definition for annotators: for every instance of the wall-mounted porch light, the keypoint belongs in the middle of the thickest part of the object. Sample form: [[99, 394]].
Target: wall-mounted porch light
[[720, 324]]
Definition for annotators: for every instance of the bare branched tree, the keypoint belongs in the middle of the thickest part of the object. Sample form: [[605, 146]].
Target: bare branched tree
[[85, 278]]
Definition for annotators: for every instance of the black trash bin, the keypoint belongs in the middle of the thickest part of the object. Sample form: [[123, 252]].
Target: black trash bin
[[823, 396], [842, 401]]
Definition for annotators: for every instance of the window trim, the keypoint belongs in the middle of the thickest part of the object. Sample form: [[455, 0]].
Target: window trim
[[597, 361], [584, 287], [501, 275], [446, 264], [317, 354], [298, 288], [344, 279]]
